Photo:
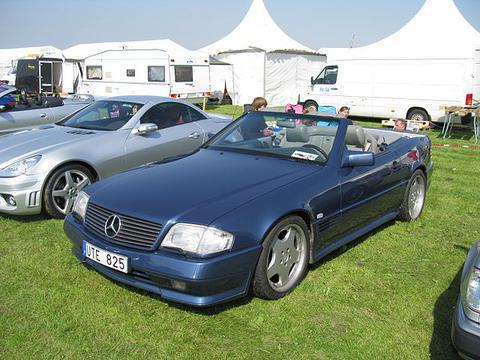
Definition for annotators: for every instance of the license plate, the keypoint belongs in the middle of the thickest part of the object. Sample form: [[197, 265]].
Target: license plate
[[106, 258]]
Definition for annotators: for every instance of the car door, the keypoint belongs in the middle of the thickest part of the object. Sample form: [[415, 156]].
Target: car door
[[327, 87], [177, 134], [370, 192], [22, 117]]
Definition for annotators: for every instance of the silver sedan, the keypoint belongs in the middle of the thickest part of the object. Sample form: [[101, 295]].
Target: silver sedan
[[18, 115], [45, 167]]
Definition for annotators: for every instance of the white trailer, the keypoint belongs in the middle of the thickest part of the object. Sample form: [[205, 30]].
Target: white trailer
[[183, 75], [411, 89]]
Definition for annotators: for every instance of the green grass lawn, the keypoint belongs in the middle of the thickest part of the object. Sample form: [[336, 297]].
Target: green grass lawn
[[389, 295]]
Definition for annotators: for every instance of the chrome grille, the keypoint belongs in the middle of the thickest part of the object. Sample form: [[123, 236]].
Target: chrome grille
[[136, 232]]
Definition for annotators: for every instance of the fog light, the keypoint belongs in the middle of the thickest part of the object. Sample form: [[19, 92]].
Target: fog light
[[10, 200], [179, 285]]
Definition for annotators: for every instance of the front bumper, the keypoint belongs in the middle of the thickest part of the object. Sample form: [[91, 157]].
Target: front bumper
[[196, 282], [27, 192], [465, 334]]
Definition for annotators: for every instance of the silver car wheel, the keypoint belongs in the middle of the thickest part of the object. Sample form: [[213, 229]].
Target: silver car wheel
[[286, 258], [416, 197], [66, 188]]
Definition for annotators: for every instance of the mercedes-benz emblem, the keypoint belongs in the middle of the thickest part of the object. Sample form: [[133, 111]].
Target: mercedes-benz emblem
[[112, 226]]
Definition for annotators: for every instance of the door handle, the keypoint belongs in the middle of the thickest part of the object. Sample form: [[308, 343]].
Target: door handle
[[194, 135], [334, 89], [43, 116]]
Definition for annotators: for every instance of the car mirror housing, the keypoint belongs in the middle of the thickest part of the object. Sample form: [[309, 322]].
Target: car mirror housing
[[144, 129], [359, 159]]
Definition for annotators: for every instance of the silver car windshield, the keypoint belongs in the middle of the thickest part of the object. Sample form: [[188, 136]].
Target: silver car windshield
[[104, 115], [298, 137]]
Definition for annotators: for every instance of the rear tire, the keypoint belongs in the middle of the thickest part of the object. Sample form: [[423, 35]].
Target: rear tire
[[418, 115], [284, 259], [62, 188], [414, 198]]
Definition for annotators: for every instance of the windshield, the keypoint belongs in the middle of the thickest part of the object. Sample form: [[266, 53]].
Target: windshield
[[284, 135], [105, 115]]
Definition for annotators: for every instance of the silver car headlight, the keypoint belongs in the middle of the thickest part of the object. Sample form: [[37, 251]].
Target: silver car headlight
[[198, 239], [20, 167], [471, 290], [80, 205]]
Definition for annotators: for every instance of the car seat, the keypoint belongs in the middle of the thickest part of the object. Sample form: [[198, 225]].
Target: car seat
[[297, 136]]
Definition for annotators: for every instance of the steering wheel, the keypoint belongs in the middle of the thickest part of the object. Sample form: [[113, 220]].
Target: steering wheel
[[318, 149]]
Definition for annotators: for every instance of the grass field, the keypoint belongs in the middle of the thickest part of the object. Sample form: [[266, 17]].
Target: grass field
[[389, 295]]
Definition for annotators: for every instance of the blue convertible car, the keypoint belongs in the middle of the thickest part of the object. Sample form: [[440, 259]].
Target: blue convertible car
[[249, 211]]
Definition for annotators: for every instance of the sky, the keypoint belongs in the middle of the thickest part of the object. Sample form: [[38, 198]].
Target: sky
[[197, 23]]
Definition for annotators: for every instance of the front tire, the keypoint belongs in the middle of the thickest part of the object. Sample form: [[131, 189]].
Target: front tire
[[62, 188], [414, 198], [284, 259]]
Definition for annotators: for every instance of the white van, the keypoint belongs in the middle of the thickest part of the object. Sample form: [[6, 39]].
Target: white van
[[181, 75], [476, 87], [411, 89]]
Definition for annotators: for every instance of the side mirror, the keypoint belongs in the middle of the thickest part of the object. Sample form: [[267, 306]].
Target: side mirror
[[359, 159], [144, 129], [311, 80]]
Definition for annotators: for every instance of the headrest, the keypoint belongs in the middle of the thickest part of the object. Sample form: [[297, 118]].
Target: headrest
[[355, 136], [298, 134], [51, 101], [322, 130]]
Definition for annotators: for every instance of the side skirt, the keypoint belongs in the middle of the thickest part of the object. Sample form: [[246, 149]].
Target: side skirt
[[352, 236]]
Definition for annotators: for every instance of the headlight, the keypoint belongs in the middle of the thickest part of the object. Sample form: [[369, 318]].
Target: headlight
[[471, 290], [197, 239], [80, 205], [20, 167]]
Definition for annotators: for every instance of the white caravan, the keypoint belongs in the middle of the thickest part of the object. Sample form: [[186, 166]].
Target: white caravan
[[411, 89], [182, 75]]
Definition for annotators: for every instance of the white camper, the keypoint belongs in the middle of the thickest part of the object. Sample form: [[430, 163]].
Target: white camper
[[411, 89], [182, 75]]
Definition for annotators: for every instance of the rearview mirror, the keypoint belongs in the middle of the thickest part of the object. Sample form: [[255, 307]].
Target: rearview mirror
[[359, 159], [144, 129]]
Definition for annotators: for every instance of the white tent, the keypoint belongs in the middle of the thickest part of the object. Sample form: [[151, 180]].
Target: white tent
[[438, 31], [266, 61], [9, 58], [83, 51]]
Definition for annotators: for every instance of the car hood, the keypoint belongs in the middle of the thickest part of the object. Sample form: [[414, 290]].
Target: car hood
[[39, 141], [198, 188]]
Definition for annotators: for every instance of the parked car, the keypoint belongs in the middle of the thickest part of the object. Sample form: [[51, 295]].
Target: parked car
[[466, 319], [27, 113], [45, 168], [249, 209]]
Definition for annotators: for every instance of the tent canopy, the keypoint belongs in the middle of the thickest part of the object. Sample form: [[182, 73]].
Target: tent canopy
[[257, 31], [437, 31]]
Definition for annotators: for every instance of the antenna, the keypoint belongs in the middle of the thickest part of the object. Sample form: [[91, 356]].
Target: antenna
[[352, 41]]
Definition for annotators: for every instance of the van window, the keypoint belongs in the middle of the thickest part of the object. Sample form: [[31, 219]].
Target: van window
[[327, 76], [183, 73], [156, 73], [94, 72]]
